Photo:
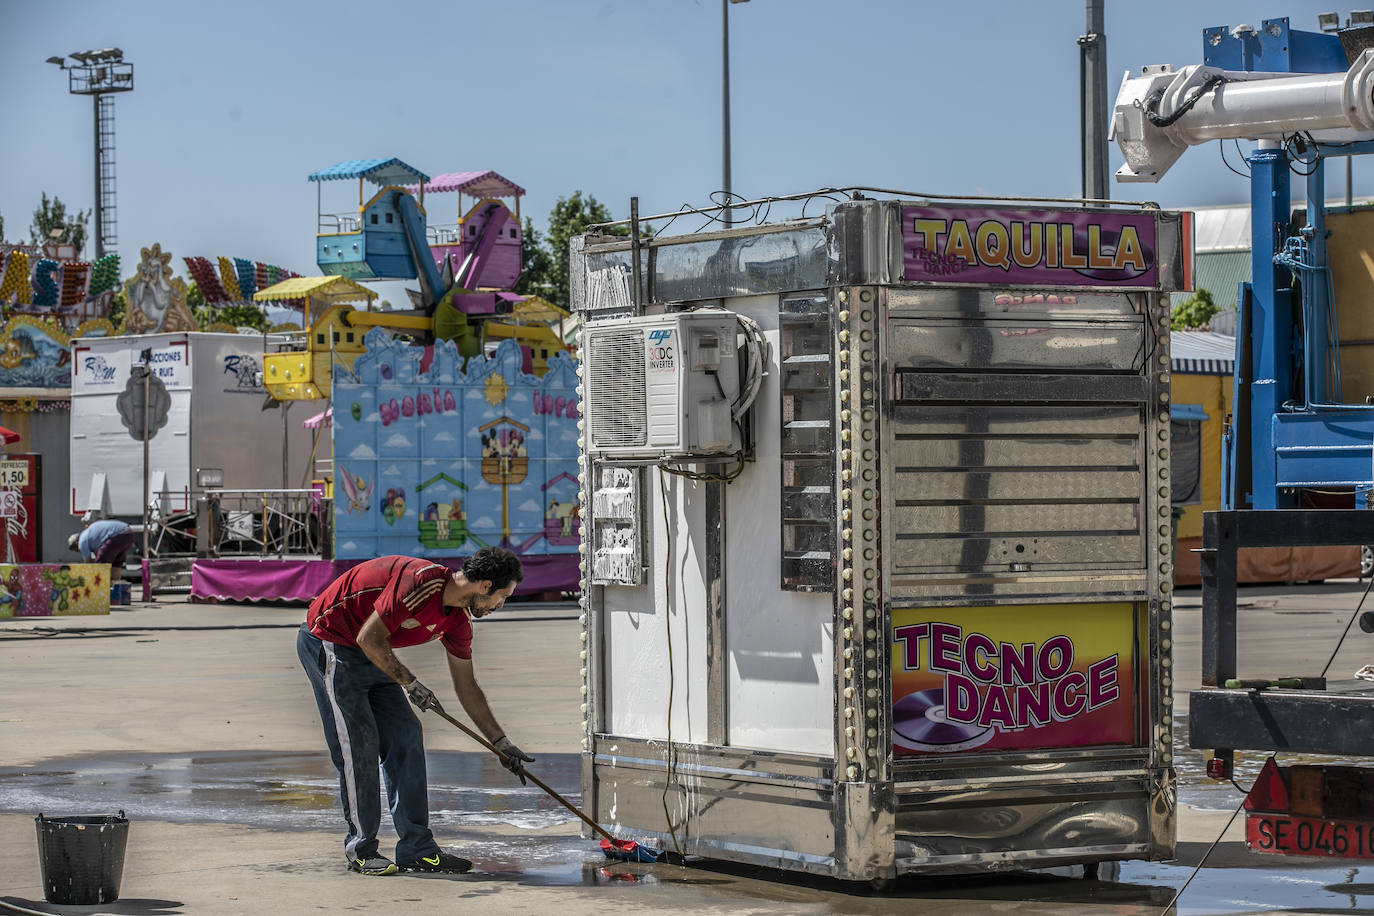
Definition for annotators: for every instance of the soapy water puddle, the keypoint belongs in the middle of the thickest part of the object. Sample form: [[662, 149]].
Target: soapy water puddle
[[519, 834], [282, 790]]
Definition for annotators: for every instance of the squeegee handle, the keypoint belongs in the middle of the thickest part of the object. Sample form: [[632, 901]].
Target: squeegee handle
[[535, 779]]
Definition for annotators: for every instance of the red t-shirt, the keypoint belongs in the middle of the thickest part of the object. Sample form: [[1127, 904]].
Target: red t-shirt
[[407, 593]]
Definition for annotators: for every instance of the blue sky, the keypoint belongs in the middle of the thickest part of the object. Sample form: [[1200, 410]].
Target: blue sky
[[235, 103]]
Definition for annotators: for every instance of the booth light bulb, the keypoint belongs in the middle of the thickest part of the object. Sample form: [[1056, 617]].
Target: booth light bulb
[[849, 712], [849, 672], [849, 731], [852, 772], [848, 632], [843, 315]]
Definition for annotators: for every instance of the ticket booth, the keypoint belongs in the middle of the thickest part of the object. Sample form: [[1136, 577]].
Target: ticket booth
[[876, 535]]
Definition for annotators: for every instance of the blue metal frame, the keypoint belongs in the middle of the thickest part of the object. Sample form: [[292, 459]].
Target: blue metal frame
[[1287, 433]]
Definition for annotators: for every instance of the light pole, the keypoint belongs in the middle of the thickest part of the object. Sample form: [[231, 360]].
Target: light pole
[[1092, 87], [99, 74], [725, 101]]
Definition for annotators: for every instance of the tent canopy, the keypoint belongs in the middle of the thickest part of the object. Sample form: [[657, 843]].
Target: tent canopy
[[477, 184], [377, 171], [328, 290]]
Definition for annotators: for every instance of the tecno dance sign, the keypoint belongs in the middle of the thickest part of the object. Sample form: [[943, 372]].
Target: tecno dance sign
[[1012, 678], [1028, 247]]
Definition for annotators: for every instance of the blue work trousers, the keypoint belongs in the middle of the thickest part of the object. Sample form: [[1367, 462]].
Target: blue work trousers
[[367, 718]]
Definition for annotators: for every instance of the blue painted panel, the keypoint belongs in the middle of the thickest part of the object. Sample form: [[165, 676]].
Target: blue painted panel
[[1332, 448], [455, 459], [1275, 48], [342, 255], [1270, 324]]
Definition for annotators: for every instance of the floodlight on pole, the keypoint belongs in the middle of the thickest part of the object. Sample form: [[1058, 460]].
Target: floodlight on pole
[[99, 74]]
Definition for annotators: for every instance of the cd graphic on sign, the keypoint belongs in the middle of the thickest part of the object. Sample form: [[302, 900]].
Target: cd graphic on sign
[[919, 724]]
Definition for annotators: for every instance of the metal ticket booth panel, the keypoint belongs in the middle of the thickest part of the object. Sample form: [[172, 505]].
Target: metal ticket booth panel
[[924, 625]]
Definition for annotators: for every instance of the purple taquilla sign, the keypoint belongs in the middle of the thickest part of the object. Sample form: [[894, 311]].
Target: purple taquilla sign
[[1028, 247]]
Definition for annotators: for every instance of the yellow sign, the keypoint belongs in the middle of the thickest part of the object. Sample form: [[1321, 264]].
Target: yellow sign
[[14, 474]]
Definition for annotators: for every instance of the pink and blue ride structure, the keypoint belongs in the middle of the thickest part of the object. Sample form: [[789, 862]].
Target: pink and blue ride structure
[[389, 238]]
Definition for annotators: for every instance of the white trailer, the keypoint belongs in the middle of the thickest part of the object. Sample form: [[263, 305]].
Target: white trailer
[[214, 415]]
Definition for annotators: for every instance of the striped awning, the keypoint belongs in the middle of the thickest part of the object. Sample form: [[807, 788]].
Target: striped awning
[[1202, 353], [377, 171], [326, 289], [478, 184]]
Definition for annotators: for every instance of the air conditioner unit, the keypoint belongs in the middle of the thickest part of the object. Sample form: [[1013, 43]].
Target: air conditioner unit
[[661, 386]]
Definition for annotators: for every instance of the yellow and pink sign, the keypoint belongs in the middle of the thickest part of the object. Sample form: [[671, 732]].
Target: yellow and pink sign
[[1013, 678]]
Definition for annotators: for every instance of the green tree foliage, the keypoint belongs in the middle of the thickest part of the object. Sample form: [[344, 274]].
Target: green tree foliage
[[569, 217], [535, 263], [544, 258], [239, 314], [52, 224], [119, 307], [1194, 312]]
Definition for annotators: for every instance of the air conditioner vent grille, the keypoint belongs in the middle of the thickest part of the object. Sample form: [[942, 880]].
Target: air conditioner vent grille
[[615, 389]]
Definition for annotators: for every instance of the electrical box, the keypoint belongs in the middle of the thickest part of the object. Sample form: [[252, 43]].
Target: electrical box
[[662, 386]]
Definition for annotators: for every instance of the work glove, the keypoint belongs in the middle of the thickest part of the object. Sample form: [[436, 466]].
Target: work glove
[[514, 759], [422, 696]]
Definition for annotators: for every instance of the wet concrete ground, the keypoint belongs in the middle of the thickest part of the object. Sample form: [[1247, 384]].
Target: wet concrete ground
[[470, 795], [209, 741]]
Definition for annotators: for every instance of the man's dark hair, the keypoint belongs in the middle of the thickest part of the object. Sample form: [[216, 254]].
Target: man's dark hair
[[500, 566]]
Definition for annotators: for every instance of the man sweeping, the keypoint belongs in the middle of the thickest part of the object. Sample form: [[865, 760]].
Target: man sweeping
[[361, 687]]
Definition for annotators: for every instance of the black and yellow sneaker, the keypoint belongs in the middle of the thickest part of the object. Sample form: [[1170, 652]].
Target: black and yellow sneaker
[[439, 862], [372, 865]]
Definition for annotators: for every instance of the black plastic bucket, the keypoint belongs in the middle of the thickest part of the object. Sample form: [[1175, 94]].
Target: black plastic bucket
[[82, 858]]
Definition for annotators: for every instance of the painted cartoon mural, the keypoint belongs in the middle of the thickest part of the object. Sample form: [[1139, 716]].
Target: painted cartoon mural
[[459, 459], [53, 589]]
